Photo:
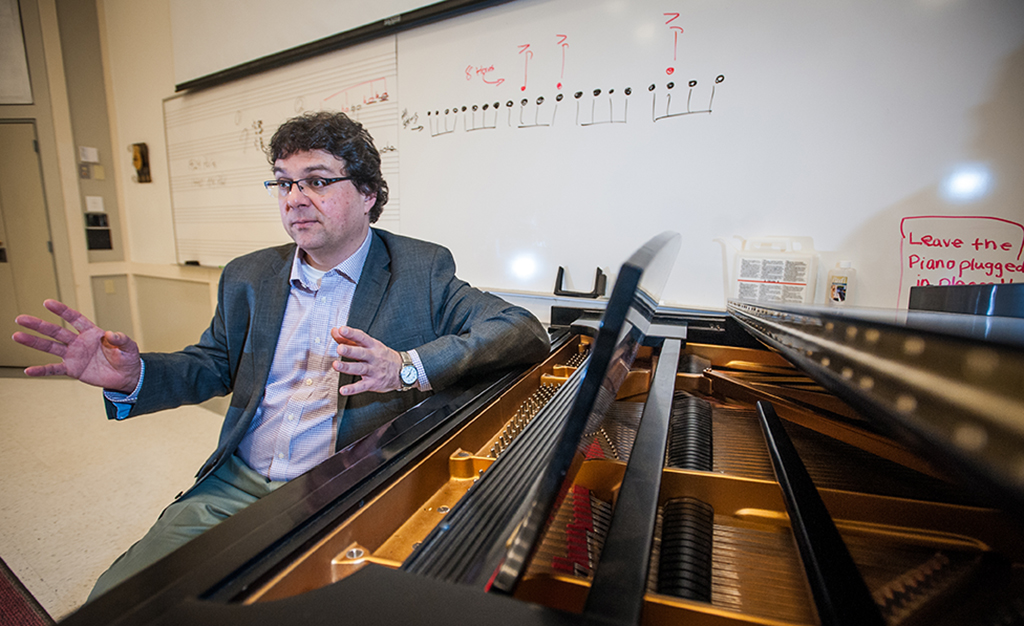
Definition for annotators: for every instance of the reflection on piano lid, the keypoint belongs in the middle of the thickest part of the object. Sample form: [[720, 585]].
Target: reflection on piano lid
[[999, 300], [770, 465]]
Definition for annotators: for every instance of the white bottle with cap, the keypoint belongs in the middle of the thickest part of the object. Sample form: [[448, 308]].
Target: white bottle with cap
[[840, 284]]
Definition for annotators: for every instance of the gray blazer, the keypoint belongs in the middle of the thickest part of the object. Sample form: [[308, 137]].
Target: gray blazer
[[408, 297]]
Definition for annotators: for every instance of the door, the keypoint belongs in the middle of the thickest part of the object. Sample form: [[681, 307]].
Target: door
[[27, 274]]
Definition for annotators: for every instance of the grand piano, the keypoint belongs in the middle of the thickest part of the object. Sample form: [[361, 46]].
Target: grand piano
[[767, 465]]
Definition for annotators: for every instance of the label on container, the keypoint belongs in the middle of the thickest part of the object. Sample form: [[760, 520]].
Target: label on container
[[837, 289], [772, 280]]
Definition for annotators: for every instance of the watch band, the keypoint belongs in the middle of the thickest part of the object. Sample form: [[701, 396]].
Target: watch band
[[408, 376]]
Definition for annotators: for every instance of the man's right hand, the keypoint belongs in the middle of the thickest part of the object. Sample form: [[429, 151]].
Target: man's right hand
[[94, 356]]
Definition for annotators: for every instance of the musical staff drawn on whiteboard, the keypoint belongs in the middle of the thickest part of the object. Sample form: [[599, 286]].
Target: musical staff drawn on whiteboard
[[595, 107], [353, 98]]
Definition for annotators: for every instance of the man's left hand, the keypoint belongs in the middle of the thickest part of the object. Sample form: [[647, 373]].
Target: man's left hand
[[376, 364]]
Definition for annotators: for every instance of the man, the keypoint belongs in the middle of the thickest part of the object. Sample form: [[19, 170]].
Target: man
[[320, 341]]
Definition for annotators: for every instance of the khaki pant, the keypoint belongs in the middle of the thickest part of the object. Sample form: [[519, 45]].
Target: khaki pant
[[227, 491]]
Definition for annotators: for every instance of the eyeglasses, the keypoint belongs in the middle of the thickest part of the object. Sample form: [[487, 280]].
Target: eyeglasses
[[281, 188]]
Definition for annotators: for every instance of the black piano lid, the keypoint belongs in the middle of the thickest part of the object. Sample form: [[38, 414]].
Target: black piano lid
[[510, 504], [630, 311], [951, 386]]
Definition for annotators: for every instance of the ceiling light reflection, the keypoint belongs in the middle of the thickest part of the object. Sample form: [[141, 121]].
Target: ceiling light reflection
[[524, 267], [967, 183]]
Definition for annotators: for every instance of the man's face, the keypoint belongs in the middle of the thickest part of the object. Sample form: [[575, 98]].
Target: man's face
[[330, 227]]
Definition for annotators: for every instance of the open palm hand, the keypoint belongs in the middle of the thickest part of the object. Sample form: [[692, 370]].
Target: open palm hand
[[92, 355]]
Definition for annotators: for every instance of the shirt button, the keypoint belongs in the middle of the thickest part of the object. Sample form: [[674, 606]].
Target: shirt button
[[317, 341], [280, 455], [309, 381]]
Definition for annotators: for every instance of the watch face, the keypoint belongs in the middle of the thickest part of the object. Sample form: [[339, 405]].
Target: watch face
[[408, 374]]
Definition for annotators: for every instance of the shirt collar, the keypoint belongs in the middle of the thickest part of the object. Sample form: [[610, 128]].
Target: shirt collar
[[304, 275]]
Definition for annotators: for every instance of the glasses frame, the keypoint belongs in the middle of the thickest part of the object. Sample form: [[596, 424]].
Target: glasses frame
[[281, 188]]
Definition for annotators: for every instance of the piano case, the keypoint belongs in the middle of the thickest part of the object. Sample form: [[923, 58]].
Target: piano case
[[770, 465]]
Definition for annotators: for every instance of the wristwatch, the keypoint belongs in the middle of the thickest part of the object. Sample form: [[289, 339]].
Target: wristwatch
[[408, 373]]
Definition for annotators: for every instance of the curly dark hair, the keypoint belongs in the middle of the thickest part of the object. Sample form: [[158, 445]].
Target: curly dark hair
[[341, 136]]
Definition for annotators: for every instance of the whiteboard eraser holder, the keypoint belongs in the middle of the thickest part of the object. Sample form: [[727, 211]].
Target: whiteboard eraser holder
[[600, 282]]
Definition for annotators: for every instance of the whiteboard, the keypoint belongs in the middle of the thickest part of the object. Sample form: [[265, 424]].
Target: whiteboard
[[713, 118], [600, 124]]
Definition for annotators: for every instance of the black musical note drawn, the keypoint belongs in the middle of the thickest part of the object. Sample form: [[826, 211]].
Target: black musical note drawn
[[488, 120], [440, 126], [209, 181], [202, 163], [538, 106], [610, 98], [669, 113]]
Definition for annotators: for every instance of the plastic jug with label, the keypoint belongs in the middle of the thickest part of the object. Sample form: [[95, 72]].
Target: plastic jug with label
[[776, 269], [841, 284]]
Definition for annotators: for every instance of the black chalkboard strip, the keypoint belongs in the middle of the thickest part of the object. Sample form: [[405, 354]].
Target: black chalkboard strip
[[387, 26]]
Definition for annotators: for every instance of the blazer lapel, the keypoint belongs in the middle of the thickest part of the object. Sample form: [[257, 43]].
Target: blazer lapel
[[373, 283], [271, 298], [367, 299]]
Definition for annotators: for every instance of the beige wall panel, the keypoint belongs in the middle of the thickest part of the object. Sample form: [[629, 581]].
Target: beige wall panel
[[173, 313], [110, 297]]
